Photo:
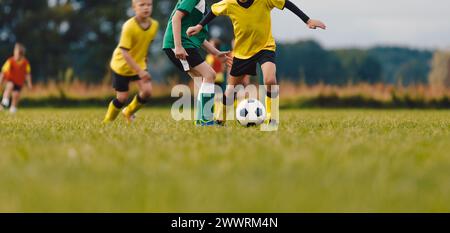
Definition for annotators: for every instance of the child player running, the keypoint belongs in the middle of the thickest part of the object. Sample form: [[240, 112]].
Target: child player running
[[184, 53], [129, 61], [15, 72], [254, 44]]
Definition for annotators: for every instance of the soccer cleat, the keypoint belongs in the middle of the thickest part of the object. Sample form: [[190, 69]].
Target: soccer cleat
[[270, 125], [207, 123], [111, 114], [12, 110], [220, 122], [5, 102], [129, 117]]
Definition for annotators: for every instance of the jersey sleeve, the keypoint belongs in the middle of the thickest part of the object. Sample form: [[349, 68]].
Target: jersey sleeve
[[6, 67], [187, 5], [28, 68], [219, 8], [276, 3], [155, 26], [209, 59], [126, 38]]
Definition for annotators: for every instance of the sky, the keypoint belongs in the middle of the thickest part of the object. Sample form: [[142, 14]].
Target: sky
[[364, 23]]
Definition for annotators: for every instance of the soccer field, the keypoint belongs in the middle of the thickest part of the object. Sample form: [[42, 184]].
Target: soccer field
[[319, 161]]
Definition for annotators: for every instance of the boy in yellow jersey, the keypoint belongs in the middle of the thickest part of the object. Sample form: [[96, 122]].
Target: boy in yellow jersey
[[254, 44], [129, 61]]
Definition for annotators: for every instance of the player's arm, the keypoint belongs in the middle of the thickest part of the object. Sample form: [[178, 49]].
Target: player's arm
[[210, 48], [205, 21], [29, 81], [180, 52], [312, 23], [28, 76], [143, 74], [4, 69]]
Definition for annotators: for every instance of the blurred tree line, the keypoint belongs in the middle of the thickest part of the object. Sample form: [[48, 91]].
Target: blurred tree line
[[68, 39], [308, 62]]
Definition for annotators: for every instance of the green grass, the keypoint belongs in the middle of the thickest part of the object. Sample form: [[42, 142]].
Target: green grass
[[319, 161]]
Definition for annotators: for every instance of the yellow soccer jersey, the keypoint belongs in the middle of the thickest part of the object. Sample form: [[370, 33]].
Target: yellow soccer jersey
[[136, 40], [252, 25]]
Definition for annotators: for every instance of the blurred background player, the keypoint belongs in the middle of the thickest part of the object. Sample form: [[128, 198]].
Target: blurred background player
[[184, 53], [14, 73], [129, 61], [254, 44], [217, 64]]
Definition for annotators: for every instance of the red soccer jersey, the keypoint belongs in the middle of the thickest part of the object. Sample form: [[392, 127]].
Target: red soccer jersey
[[16, 71], [215, 63]]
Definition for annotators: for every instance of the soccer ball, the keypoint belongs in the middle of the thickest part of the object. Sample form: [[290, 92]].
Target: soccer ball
[[250, 112]]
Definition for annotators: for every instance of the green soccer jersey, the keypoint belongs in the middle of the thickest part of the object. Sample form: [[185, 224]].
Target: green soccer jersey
[[195, 10]]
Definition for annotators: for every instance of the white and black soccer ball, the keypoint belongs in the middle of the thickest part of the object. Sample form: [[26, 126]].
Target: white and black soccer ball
[[250, 112]]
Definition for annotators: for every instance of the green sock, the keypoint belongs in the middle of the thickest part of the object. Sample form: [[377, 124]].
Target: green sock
[[205, 102]]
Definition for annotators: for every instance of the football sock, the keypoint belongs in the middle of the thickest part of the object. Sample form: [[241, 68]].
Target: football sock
[[220, 109], [225, 109], [205, 102], [134, 106], [272, 105], [113, 110]]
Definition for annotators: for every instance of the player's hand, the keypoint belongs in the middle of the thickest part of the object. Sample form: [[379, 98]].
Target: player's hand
[[144, 75], [180, 53], [225, 57], [313, 24], [30, 86], [191, 31]]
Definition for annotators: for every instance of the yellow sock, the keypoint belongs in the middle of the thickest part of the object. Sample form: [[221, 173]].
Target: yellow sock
[[112, 113], [219, 111], [133, 107], [272, 108]]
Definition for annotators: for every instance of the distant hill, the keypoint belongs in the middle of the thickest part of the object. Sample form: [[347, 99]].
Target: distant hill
[[307, 61]]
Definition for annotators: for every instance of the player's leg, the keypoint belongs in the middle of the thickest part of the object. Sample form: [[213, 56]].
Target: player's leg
[[243, 81], [229, 97], [219, 91], [246, 80], [239, 74], [195, 75], [121, 85], [15, 101], [272, 92], [139, 100], [206, 94], [15, 98], [115, 106], [197, 67], [7, 94]]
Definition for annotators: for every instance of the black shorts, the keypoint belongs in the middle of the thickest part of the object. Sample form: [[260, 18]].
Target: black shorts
[[17, 87], [248, 66], [122, 83], [194, 59]]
